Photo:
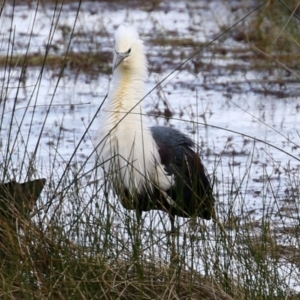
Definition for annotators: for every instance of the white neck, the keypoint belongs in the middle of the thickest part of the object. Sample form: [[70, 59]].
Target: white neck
[[125, 96], [124, 132]]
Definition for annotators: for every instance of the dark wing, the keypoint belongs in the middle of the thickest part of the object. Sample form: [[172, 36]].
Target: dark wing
[[192, 191]]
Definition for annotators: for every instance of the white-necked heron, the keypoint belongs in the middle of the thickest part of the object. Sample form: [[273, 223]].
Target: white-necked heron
[[150, 167]]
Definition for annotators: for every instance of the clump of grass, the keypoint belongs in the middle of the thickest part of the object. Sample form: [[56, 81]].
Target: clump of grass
[[274, 31], [91, 63], [48, 265]]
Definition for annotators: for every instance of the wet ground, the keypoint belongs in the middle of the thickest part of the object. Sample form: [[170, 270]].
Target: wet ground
[[244, 119]]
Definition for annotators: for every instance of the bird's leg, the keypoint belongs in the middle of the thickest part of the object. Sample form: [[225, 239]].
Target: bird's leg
[[137, 236], [137, 242], [173, 236], [138, 217], [139, 225]]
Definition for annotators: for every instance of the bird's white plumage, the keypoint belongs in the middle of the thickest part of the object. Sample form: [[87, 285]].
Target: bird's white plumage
[[127, 150]]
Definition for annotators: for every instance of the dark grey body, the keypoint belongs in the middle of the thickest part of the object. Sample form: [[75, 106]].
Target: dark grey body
[[192, 191]]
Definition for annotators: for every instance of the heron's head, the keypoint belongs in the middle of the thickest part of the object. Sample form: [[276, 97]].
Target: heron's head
[[129, 50]]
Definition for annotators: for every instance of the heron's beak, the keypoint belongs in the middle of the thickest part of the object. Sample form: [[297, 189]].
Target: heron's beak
[[119, 58]]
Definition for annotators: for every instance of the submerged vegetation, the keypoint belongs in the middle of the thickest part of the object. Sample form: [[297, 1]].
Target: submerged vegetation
[[78, 241]]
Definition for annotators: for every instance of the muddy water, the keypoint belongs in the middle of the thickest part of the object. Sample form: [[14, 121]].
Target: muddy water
[[236, 117], [245, 123], [224, 111]]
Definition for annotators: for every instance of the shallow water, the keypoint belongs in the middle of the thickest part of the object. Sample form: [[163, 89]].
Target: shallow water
[[209, 105], [223, 111]]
